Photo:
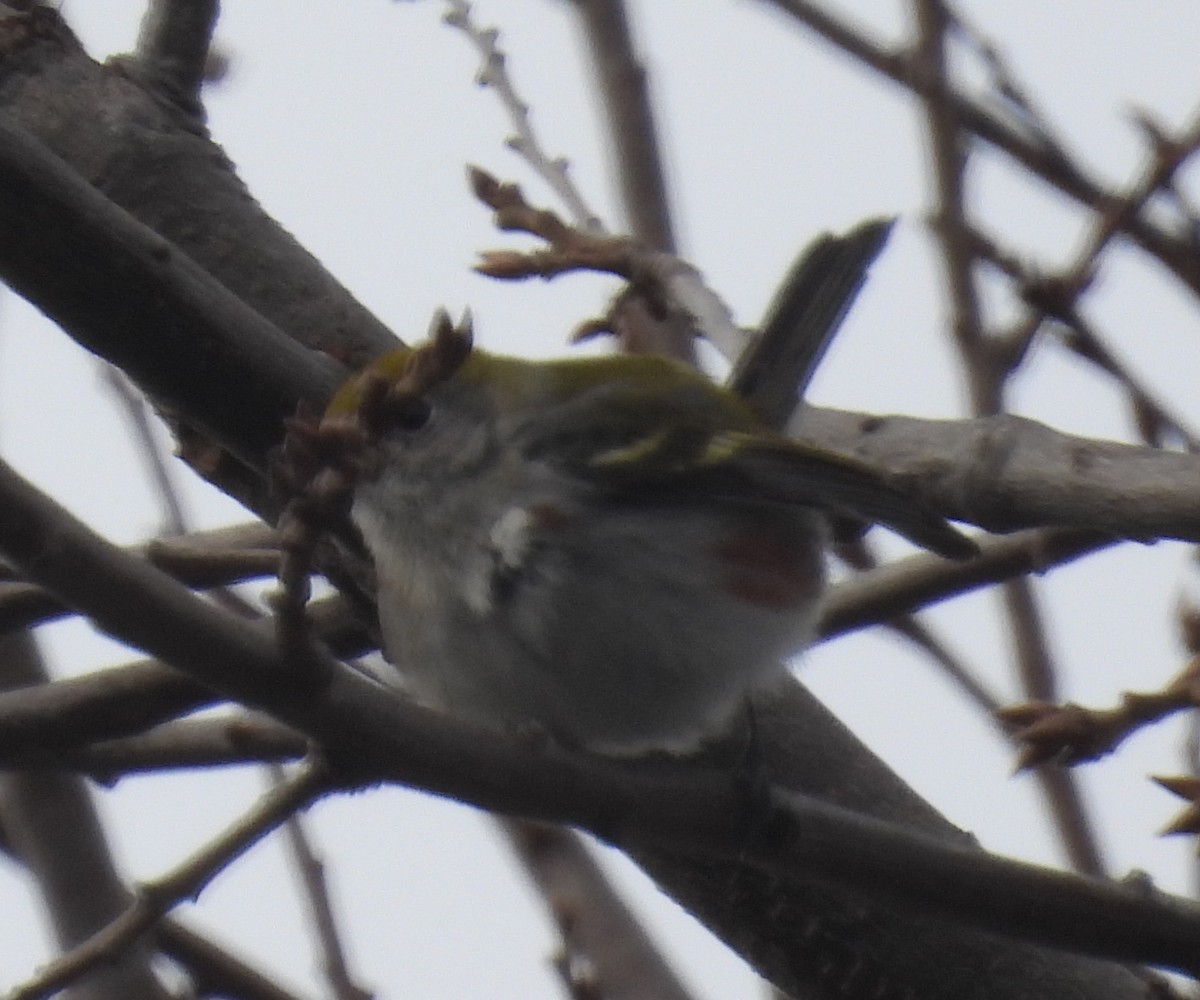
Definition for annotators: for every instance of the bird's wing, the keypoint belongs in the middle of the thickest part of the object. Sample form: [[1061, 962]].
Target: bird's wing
[[691, 442]]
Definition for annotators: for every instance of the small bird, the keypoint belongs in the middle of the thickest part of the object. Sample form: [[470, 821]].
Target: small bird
[[612, 551]]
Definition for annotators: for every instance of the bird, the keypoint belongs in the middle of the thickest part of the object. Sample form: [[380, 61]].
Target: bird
[[613, 551]]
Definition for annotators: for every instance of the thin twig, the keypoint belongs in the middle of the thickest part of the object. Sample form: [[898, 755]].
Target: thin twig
[[986, 379], [1051, 303], [666, 281], [174, 520], [320, 907], [211, 970], [241, 739], [1056, 296], [493, 73], [1008, 87], [922, 636], [1155, 422], [1021, 143], [950, 221], [186, 881]]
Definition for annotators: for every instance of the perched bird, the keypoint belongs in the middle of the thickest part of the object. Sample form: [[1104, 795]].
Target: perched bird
[[612, 551]]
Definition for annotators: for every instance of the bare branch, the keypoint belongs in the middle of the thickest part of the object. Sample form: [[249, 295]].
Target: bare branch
[[212, 970], [1073, 734], [127, 294], [638, 166], [186, 881], [50, 824], [667, 282], [173, 50], [174, 521], [919, 581], [92, 117], [114, 702], [341, 689], [371, 734], [118, 701], [621, 80], [312, 877], [920, 635], [986, 377], [493, 73], [1006, 473], [244, 738], [1023, 144], [950, 216], [1007, 86], [206, 559], [597, 928], [1056, 296], [1025, 553], [1038, 672]]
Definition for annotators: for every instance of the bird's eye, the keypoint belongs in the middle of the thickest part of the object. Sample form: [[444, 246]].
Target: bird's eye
[[409, 413]]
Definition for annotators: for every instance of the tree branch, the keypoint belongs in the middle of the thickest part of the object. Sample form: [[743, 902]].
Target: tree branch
[[216, 558], [1006, 473], [369, 735], [629, 115], [1039, 158], [595, 924], [128, 295], [185, 881], [797, 932], [173, 50], [173, 179], [50, 823]]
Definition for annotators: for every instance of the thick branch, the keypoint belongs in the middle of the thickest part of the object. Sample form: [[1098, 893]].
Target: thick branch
[[121, 138], [130, 296], [1006, 472], [899, 588], [370, 733], [796, 932], [593, 921], [187, 340]]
